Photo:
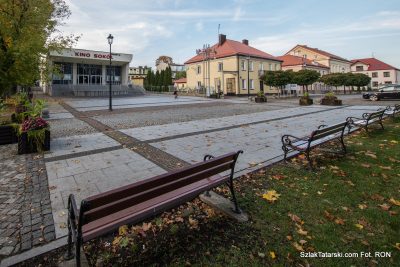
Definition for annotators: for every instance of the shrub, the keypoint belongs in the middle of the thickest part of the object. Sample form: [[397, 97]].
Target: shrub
[[31, 124]]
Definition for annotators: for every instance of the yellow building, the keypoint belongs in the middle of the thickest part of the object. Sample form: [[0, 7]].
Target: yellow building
[[231, 67], [137, 75], [335, 63]]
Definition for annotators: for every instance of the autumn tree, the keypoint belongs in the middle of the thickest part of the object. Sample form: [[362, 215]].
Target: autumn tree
[[28, 32]]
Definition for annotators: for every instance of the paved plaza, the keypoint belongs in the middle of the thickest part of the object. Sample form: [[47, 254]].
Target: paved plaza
[[93, 150]]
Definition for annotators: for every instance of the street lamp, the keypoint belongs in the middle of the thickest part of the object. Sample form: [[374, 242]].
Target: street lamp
[[110, 41]]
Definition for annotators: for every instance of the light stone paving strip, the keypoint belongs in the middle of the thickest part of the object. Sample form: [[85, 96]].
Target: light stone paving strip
[[88, 175], [260, 142], [77, 144]]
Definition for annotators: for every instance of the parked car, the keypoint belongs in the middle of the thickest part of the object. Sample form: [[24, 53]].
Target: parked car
[[387, 92]]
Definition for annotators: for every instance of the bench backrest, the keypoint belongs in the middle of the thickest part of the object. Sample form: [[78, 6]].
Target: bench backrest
[[373, 115], [112, 201], [324, 131]]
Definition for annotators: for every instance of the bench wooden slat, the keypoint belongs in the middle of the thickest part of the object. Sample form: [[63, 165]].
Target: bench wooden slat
[[118, 193], [145, 195], [149, 208]]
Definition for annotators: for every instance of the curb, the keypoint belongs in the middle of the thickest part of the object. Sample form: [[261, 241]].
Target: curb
[[37, 251]]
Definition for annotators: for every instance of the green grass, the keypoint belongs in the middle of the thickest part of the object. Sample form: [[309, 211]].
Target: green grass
[[325, 204]]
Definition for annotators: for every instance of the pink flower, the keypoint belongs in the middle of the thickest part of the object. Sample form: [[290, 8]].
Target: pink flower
[[34, 124]]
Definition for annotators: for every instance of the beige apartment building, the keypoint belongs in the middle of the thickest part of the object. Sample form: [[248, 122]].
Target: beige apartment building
[[380, 72], [230, 67], [335, 63], [137, 75], [296, 63]]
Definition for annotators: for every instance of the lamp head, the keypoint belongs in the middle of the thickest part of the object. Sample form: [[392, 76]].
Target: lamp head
[[110, 39]]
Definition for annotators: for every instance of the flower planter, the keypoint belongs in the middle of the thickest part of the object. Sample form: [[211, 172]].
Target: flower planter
[[331, 101], [26, 145], [305, 101], [259, 99], [8, 135]]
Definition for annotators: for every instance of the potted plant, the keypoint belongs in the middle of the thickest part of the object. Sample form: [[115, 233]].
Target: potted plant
[[8, 130], [34, 136], [305, 100], [331, 100], [260, 97]]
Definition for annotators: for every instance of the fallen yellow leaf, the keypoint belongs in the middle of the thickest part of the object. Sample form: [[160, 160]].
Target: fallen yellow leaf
[[297, 246], [271, 196], [302, 232], [272, 255], [394, 201], [123, 230], [359, 226], [397, 246], [362, 206], [394, 141]]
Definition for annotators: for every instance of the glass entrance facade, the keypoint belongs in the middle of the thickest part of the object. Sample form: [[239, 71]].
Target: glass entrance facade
[[113, 74], [89, 74]]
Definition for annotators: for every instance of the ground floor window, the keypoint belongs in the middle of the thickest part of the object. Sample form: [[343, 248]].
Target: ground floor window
[[244, 84], [113, 75], [89, 74], [251, 84], [374, 84], [62, 73]]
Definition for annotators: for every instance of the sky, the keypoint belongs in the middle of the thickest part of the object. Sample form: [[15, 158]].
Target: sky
[[176, 28]]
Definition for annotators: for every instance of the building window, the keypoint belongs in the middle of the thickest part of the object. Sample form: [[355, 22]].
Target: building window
[[198, 69], [113, 75], [243, 64], [374, 75], [62, 73], [251, 66], [386, 74], [388, 82], [304, 56], [244, 84], [220, 66], [261, 66], [359, 68], [270, 66], [276, 66], [374, 84], [199, 84], [251, 84]]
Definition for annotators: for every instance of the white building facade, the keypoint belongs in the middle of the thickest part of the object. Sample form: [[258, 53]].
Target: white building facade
[[84, 70]]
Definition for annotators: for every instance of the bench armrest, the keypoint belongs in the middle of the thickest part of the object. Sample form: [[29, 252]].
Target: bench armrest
[[288, 139], [322, 126], [208, 157], [351, 120]]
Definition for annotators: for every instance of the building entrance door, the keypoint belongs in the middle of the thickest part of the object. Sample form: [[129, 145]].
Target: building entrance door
[[230, 86], [83, 79]]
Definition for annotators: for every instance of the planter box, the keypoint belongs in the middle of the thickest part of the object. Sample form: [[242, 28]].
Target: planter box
[[331, 102], [258, 99], [303, 101], [8, 135], [25, 147]]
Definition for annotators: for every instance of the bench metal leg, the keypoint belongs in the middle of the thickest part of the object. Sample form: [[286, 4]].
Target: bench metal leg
[[236, 210], [380, 122], [78, 251], [69, 255], [309, 160]]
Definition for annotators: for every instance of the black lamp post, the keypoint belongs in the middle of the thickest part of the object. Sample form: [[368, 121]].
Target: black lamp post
[[110, 41]]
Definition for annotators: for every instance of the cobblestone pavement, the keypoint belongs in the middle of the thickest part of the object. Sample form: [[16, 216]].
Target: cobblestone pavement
[[25, 208]]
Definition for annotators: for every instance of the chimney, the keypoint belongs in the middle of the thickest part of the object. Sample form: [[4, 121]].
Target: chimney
[[245, 41], [222, 39]]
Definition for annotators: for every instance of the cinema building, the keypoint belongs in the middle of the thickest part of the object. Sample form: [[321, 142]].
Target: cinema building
[[78, 72]]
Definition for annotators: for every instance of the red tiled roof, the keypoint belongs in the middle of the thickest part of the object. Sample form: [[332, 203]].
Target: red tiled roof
[[374, 64], [181, 80], [322, 52], [232, 48], [289, 60]]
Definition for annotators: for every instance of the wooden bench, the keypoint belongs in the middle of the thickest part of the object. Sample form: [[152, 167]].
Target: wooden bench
[[367, 119], [392, 111], [317, 138], [105, 212]]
